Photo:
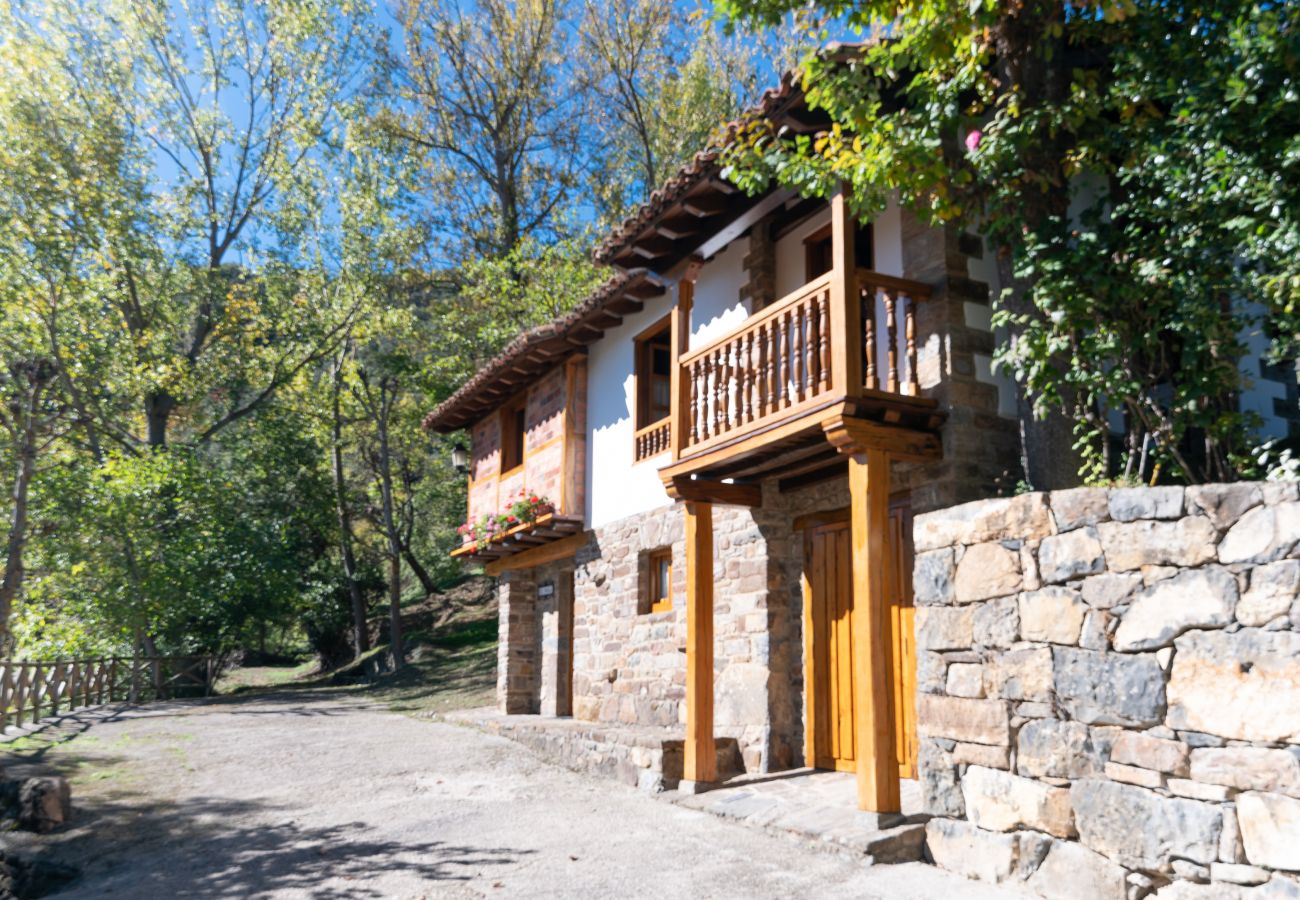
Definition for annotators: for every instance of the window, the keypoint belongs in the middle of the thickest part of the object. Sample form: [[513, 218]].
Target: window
[[654, 363], [513, 428], [818, 259], [660, 583]]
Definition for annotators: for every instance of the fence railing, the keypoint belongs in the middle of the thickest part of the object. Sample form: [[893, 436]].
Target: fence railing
[[30, 691]]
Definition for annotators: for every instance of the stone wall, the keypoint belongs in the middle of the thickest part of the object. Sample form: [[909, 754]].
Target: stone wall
[[1110, 690]]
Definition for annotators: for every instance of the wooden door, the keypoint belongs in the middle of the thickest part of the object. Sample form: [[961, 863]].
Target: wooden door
[[828, 604], [828, 640]]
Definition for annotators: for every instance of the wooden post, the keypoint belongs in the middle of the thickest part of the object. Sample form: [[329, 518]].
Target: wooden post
[[680, 336], [700, 765], [877, 762], [846, 309]]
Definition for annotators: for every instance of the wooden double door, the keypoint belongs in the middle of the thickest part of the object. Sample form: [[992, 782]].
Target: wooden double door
[[828, 639]]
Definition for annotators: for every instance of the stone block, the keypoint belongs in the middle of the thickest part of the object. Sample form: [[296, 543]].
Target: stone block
[[1072, 554], [1095, 634], [1071, 871], [1270, 829], [1223, 504], [986, 571], [1051, 615], [961, 719], [944, 627], [1196, 790], [1243, 685], [1025, 517], [1054, 749], [1129, 546], [965, 680], [1131, 504], [1264, 534], [1021, 675], [1141, 829], [1077, 507], [44, 803], [1248, 768], [931, 672], [1273, 588], [1109, 688], [932, 576], [997, 623], [1105, 591], [1199, 598], [1134, 749], [1237, 873], [981, 755], [940, 785], [1000, 801], [1134, 775], [970, 851]]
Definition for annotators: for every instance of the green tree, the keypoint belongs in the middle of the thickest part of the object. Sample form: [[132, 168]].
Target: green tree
[[1001, 116]]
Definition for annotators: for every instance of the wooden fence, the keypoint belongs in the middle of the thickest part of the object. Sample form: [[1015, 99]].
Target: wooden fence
[[30, 691]]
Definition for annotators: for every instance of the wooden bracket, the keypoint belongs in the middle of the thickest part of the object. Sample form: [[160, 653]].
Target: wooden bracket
[[849, 436], [719, 492]]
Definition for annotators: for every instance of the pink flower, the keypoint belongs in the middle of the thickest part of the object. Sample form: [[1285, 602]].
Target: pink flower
[[973, 139]]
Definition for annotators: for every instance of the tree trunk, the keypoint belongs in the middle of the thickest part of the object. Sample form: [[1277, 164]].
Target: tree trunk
[[390, 529], [1047, 453], [418, 569], [1036, 70], [360, 633], [12, 581]]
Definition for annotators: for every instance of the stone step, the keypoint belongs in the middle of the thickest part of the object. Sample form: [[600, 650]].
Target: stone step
[[838, 828]]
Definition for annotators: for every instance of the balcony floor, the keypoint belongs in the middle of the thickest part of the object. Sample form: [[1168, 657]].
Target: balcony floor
[[795, 448]]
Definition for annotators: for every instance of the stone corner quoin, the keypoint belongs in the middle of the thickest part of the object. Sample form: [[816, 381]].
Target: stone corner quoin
[[1109, 689]]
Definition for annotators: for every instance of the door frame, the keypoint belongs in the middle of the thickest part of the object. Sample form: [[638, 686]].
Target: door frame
[[902, 621]]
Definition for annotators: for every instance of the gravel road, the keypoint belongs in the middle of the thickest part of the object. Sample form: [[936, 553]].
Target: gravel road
[[323, 795]]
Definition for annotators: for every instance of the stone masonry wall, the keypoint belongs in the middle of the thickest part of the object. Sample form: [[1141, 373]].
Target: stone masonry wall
[[629, 665], [1110, 690]]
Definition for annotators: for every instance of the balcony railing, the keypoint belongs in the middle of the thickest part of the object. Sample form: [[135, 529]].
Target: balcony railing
[[797, 355], [652, 440]]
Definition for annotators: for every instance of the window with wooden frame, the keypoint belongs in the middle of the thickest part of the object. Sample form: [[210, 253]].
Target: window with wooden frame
[[654, 366], [659, 581], [513, 429], [818, 250]]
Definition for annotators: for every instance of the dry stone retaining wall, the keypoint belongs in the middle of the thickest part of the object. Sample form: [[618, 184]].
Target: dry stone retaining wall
[[1110, 690]]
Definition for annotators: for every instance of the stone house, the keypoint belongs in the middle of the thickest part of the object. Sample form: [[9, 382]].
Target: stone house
[[734, 435]]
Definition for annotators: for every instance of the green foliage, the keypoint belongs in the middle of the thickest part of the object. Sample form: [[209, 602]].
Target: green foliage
[[1133, 164]]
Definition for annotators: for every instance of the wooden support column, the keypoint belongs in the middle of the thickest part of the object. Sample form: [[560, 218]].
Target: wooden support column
[[680, 335], [845, 309], [700, 766], [877, 757]]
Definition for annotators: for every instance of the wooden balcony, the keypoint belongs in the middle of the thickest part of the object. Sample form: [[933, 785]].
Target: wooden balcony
[[752, 403]]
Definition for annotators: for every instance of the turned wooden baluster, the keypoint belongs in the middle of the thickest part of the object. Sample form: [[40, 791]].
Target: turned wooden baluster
[[810, 357], [747, 371], [768, 386], [693, 392], [823, 342], [780, 364], [760, 372], [794, 386], [706, 397], [869, 337], [719, 390], [891, 330], [913, 381]]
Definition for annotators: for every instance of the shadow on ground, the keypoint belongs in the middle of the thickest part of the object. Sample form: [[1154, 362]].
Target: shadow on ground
[[203, 850]]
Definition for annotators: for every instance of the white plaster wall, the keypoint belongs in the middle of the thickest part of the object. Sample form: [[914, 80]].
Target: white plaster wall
[[790, 255], [616, 486], [979, 315], [718, 308]]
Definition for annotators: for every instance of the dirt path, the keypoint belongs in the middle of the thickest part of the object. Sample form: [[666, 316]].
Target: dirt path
[[324, 795]]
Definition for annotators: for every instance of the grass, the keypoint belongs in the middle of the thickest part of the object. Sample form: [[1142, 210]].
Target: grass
[[451, 668]]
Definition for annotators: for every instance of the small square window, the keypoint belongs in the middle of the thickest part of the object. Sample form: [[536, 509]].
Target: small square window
[[659, 565]]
